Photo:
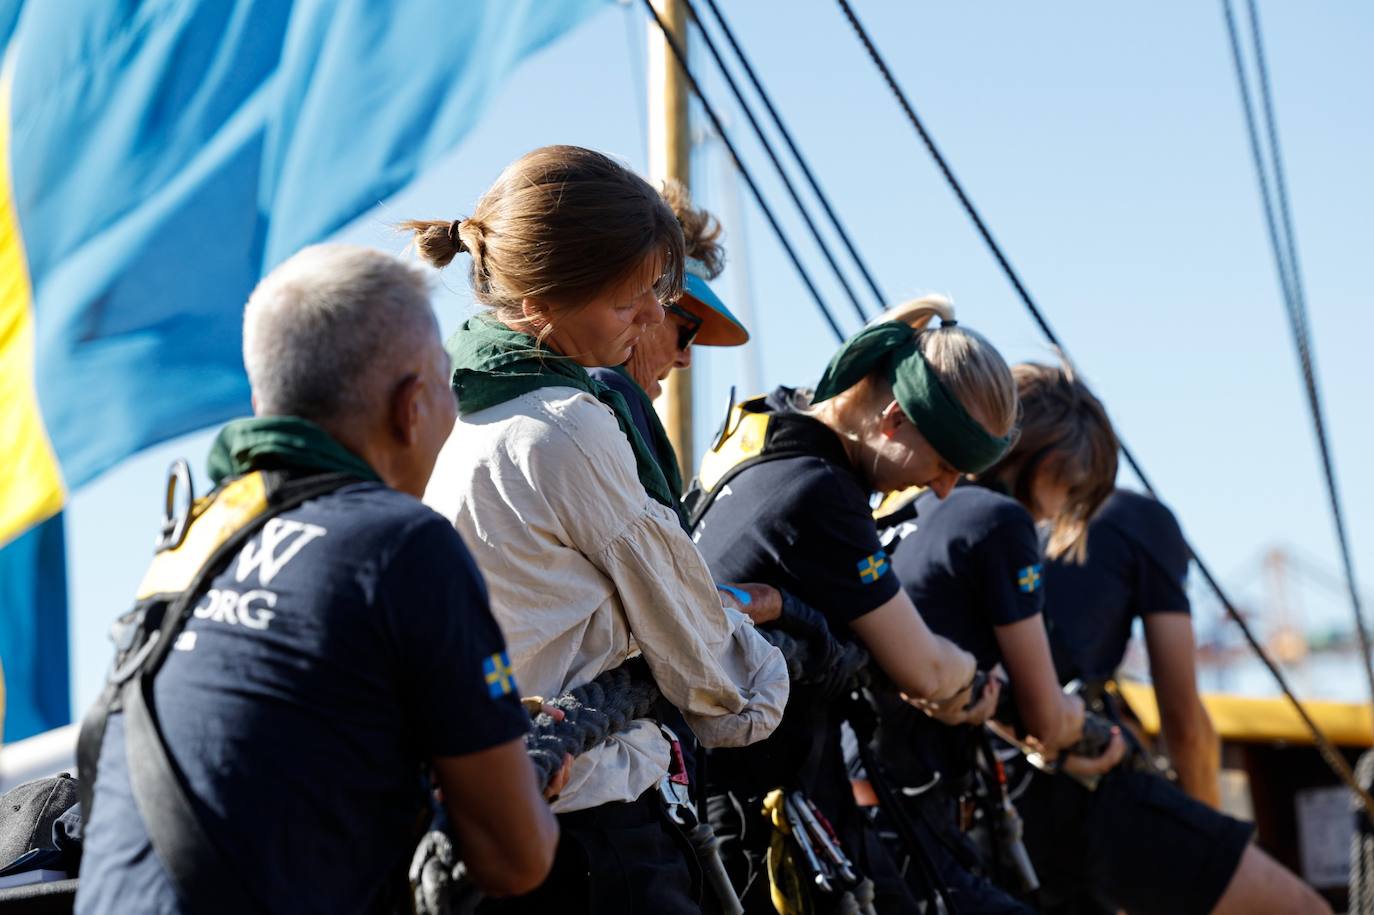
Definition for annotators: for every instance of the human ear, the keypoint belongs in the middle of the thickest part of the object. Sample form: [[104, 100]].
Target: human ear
[[403, 412], [534, 311], [891, 419]]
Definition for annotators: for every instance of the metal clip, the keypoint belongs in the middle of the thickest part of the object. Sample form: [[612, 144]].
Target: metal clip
[[675, 787], [174, 523], [726, 430], [826, 838], [801, 836]]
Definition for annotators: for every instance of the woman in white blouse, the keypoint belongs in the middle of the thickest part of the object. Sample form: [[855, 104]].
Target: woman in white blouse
[[569, 516]]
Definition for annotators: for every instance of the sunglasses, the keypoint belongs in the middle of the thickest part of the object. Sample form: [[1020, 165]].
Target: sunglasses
[[686, 331]]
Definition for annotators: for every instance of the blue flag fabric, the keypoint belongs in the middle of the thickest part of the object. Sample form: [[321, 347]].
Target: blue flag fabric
[[162, 156], [33, 592], [167, 154]]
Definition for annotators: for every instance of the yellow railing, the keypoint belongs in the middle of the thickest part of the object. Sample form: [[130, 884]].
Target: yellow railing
[[1244, 719]]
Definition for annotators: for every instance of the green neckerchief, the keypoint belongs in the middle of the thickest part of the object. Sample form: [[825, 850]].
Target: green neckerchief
[[493, 364], [660, 443], [892, 348], [281, 443]]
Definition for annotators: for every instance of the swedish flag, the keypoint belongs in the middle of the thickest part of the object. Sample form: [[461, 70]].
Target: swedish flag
[[496, 670], [1028, 579], [156, 159], [872, 568]]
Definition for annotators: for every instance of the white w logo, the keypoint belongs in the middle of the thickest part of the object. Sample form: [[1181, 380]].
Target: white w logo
[[262, 554]]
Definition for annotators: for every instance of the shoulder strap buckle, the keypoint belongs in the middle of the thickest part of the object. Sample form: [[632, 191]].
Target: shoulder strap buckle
[[174, 522]]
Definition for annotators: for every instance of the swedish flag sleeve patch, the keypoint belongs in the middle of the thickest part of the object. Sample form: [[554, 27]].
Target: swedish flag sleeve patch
[[872, 568], [1028, 579], [496, 670]]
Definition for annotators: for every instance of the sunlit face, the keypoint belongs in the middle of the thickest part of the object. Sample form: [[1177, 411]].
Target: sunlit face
[[606, 329], [902, 457], [658, 353]]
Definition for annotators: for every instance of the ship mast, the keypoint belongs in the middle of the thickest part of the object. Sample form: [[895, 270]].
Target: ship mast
[[670, 150]]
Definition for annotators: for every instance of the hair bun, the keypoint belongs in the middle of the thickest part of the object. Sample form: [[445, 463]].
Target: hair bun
[[455, 235]]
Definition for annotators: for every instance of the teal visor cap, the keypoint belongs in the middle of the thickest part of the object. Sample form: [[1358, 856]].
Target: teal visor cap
[[719, 327]]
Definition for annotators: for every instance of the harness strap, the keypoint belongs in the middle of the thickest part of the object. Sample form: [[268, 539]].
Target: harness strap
[[199, 869], [751, 436], [863, 719]]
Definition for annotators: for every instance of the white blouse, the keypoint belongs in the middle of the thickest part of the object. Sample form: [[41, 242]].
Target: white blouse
[[584, 570]]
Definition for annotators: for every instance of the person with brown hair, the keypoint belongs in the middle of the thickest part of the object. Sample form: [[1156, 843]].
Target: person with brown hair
[[1137, 842], [1134, 842], [973, 566], [570, 517], [783, 498], [697, 318]]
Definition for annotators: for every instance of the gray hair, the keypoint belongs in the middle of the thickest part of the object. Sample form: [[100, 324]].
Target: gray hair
[[324, 331]]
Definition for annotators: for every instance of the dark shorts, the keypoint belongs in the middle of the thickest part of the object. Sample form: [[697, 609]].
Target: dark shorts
[[623, 857], [1136, 843]]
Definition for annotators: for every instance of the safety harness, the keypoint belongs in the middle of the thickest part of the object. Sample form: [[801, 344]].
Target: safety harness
[[751, 435], [807, 867], [196, 544]]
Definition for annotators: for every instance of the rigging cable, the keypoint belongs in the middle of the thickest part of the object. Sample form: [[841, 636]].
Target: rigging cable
[[777, 164], [676, 47], [796, 152], [1283, 241], [1329, 753]]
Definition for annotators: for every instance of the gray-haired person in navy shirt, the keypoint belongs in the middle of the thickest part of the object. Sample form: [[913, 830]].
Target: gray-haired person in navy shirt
[[347, 647]]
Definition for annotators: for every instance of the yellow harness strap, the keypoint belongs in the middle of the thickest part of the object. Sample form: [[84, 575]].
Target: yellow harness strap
[[214, 519], [746, 430], [790, 892]]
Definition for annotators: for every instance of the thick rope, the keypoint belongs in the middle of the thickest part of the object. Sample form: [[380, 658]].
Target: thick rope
[[1328, 751], [591, 713], [594, 712], [1361, 897]]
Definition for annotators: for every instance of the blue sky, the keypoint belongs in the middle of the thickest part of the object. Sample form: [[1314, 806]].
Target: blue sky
[[1106, 148]]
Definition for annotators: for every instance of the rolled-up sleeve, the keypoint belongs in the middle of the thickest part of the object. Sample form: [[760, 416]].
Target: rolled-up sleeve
[[729, 683]]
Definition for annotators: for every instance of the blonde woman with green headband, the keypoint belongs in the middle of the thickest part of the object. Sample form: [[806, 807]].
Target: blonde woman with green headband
[[784, 499]]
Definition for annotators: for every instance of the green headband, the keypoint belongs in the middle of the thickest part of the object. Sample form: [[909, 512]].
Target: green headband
[[892, 347]]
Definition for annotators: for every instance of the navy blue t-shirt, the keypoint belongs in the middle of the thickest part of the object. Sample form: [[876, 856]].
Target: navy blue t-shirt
[[1137, 564], [971, 565], [801, 523], [347, 644]]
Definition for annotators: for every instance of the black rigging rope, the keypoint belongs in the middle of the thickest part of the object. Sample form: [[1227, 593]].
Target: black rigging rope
[[796, 152], [1283, 241], [681, 55], [1328, 751], [777, 164]]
